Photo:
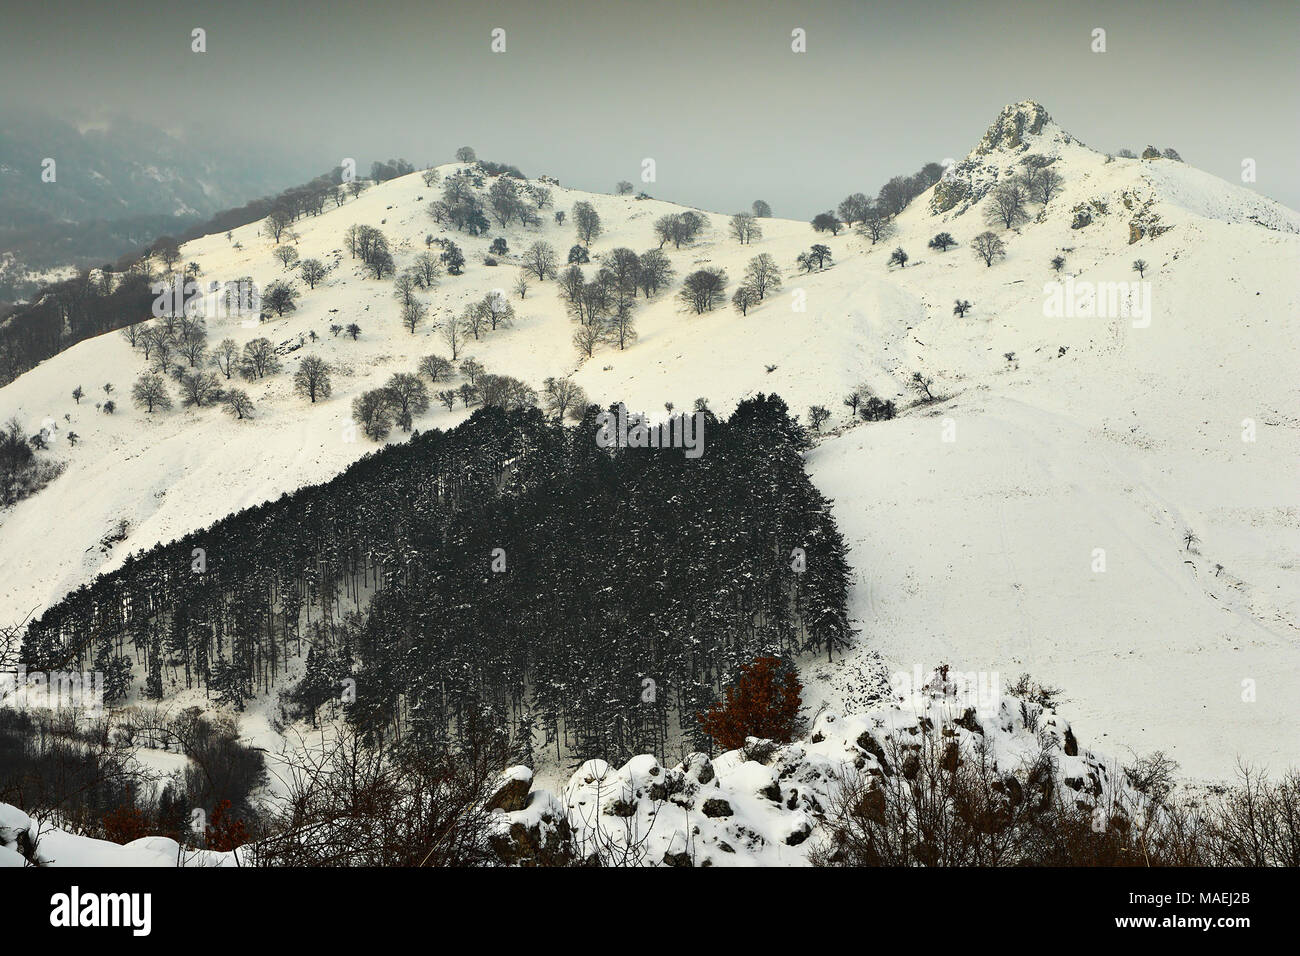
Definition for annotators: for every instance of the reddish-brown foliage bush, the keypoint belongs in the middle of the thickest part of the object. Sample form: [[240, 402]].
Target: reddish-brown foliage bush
[[764, 702], [124, 825], [225, 833]]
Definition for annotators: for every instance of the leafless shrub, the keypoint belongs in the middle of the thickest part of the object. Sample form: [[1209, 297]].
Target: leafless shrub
[[353, 803]]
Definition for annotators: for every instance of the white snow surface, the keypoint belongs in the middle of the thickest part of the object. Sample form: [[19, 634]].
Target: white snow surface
[[55, 847]]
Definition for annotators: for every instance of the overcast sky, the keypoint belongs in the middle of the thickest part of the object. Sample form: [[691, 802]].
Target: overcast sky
[[710, 88]]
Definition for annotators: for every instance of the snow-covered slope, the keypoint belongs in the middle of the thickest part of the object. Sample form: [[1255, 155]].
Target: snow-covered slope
[[979, 550]]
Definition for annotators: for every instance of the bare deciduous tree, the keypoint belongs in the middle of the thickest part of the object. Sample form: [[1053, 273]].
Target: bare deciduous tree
[[703, 289], [259, 359], [587, 221], [312, 379], [564, 397], [539, 261], [763, 275], [413, 314], [370, 410], [279, 220], [200, 389], [679, 228], [238, 403], [1007, 205], [150, 393], [435, 367], [744, 227], [453, 333], [588, 336], [744, 299], [853, 208], [425, 270], [312, 271], [827, 222], [655, 271], [621, 327], [875, 225], [407, 396], [1048, 185], [921, 385], [988, 246], [496, 309]]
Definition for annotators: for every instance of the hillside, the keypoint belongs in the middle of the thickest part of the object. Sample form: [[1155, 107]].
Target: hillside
[[977, 551]]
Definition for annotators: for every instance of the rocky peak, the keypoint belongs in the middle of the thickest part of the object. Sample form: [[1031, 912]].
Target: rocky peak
[[1014, 123], [1020, 128]]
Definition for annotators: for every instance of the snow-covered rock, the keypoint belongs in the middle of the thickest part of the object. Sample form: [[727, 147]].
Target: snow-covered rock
[[762, 805]]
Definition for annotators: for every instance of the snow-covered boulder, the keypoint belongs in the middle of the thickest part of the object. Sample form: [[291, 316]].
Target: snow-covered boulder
[[764, 803]]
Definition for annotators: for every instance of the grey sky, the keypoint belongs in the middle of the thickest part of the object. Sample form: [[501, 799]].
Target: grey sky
[[710, 90]]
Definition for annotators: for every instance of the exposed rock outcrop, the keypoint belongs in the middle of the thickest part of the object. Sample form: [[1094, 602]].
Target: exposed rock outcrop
[[765, 802]]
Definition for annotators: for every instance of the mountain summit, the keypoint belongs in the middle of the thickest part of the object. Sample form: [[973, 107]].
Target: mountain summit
[[1016, 122], [1018, 129]]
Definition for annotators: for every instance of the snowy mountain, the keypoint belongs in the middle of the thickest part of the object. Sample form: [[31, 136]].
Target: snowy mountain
[[1030, 520]]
